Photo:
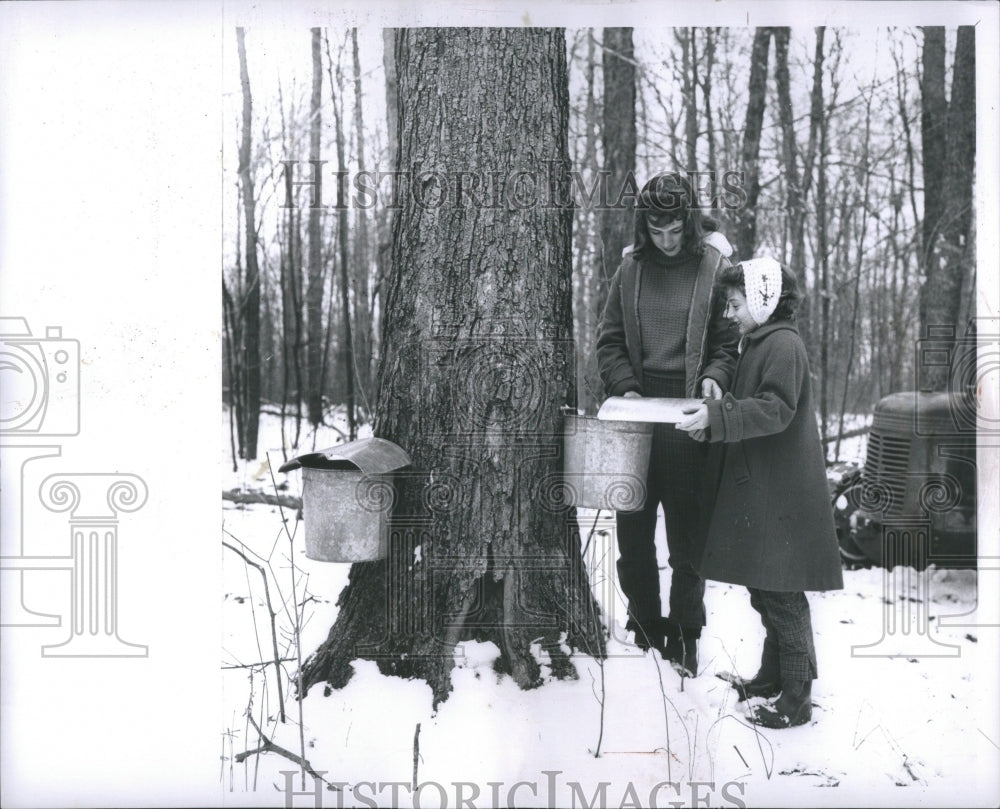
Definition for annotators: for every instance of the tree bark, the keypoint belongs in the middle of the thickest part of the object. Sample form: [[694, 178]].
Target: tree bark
[[746, 236], [251, 302], [477, 359], [618, 142]]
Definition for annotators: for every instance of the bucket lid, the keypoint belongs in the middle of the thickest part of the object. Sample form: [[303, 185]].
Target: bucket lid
[[373, 456]]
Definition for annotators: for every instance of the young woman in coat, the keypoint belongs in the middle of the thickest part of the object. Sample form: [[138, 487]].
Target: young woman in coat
[[771, 528], [664, 333]]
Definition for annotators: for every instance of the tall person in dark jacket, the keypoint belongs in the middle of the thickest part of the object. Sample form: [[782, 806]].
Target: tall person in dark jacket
[[771, 527], [664, 334]]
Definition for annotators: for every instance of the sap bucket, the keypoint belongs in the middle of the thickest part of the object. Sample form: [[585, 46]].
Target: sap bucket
[[605, 462], [347, 497]]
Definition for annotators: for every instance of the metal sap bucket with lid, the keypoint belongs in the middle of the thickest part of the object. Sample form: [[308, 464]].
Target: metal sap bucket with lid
[[347, 498], [605, 462]]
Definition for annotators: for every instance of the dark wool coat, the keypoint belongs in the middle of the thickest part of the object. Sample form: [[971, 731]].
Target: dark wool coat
[[772, 524], [710, 343]]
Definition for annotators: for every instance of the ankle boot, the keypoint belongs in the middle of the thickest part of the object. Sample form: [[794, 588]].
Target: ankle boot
[[766, 682], [793, 707], [682, 649], [649, 634]]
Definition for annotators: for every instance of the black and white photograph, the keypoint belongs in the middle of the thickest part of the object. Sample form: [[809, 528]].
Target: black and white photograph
[[599, 406]]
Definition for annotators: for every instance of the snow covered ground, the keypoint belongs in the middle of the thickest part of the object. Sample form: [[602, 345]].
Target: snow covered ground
[[905, 707]]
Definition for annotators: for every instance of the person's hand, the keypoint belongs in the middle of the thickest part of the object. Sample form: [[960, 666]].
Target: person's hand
[[710, 389], [631, 394], [697, 419]]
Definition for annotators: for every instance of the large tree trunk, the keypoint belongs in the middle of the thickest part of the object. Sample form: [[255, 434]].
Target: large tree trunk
[[746, 237], [251, 302], [948, 238], [314, 288], [477, 359], [618, 142]]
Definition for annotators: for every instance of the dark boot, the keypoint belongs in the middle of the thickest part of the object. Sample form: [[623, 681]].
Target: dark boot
[[682, 649], [649, 634], [766, 682], [793, 707]]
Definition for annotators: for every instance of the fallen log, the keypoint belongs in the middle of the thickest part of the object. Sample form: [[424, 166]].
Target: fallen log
[[245, 498]]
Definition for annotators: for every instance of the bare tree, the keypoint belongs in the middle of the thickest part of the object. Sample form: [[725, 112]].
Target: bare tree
[[795, 191], [950, 263], [362, 270], [346, 363], [250, 305], [618, 143], [314, 288], [746, 236]]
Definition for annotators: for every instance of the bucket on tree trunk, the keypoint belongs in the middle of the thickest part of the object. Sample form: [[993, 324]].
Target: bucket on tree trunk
[[605, 462], [347, 498]]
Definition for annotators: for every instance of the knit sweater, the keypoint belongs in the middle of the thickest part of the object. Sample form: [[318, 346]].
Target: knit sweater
[[664, 305]]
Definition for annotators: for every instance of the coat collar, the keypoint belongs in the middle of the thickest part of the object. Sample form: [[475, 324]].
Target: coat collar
[[761, 332]]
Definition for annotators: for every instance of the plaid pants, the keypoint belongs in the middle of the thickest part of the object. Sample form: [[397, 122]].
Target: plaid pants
[[674, 480], [789, 633]]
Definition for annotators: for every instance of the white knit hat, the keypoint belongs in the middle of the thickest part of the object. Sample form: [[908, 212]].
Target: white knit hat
[[762, 278]]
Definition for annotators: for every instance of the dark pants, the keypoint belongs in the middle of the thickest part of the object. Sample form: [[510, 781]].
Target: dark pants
[[789, 640], [675, 471]]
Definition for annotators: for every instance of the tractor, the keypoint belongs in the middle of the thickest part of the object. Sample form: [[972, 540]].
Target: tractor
[[914, 500]]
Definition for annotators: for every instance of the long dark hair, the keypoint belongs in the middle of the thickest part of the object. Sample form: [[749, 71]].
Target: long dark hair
[[732, 278], [668, 198]]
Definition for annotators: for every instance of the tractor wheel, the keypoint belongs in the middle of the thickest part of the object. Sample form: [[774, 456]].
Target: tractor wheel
[[846, 504]]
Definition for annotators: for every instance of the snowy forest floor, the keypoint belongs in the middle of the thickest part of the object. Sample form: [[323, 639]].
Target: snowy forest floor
[[904, 710]]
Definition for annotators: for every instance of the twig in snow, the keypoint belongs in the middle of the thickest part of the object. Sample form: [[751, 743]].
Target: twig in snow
[[272, 614], [756, 731], [297, 624], [269, 746], [416, 754]]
